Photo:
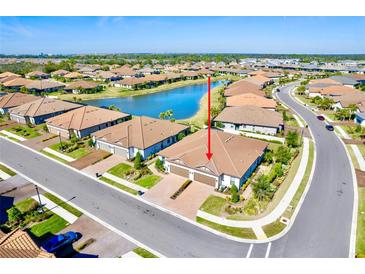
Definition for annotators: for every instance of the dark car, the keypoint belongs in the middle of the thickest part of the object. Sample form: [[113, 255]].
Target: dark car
[[320, 118], [330, 127], [60, 241]]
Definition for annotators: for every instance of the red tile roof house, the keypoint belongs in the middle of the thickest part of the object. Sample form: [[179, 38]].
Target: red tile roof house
[[250, 118], [37, 75], [84, 120], [234, 158], [15, 99], [141, 134], [36, 112], [82, 86]]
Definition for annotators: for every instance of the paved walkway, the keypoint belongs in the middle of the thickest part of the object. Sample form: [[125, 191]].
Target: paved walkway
[[4, 175], [58, 154], [279, 209], [104, 165], [299, 121], [69, 217], [12, 135], [132, 255], [124, 182]]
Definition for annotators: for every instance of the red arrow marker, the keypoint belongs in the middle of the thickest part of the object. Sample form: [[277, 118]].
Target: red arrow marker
[[209, 153]]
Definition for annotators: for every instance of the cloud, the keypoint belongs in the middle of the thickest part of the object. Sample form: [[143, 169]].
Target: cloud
[[15, 28]]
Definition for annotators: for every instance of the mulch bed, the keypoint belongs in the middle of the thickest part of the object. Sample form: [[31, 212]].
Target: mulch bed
[[90, 159], [360, 176], [7, 124], [353, 142]]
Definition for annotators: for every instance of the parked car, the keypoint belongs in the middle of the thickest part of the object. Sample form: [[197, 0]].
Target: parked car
[[60, 241], [330, 127], [320, 117]]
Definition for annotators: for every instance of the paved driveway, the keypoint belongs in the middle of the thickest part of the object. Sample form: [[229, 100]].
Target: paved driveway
[[39, 143], [88, 160], [187, 203], [107, 244], [104, 165]]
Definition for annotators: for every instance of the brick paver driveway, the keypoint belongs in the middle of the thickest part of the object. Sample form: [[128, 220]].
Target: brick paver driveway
[[104, 165], [187, 203]]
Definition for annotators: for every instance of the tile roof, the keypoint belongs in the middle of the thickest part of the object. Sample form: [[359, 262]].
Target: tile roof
[[43, 106], [7, 74], [141, 132], [16, 99], [18, 244], [81, 84], [242, 87], [85, 117], [250, 99], [232, 154], [250, 115]]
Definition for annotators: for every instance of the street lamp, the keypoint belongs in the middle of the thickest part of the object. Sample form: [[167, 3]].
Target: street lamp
[[39, 198]]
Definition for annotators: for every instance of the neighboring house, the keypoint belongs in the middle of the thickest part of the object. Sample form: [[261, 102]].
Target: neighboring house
[[346, 101], [16, 84], [8, 78], [36, 112], [260, 80], [250, 99], [8, 74], [73, 75], [332, 91], [358, 77], [130, 82], [250, 118], [125, 72], [360, 118], [84, 120], [234, 158], [37, 75], [81, 86], [40, 86], [19, 244], [242, 87], [190, 75], [141, 134], [106, 76], [346, 81], [15, 99], [59, 73]]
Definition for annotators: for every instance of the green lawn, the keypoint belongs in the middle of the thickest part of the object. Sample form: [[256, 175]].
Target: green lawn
[[213, 205], [76, 154], [148, 181], [52, 225], [120, 170], [26, 205], [360, 238], [53, 156], [144, 253], [246, 233], [24, 131], [120, 186], [63, 204], [7, 170], [273, 228]]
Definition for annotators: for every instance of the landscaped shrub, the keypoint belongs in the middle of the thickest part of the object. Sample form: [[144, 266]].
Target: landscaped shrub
[[180, 136], [263, 189], [138, 161], [235, 197], [268, 157], [283, 155], [14, 214], [292, 139], [45, 128], [159, 165]]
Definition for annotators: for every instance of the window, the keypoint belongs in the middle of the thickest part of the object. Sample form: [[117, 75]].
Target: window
[[232, 181]]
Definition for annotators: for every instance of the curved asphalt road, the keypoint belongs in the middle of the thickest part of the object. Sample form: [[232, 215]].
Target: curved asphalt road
[[322, 227]]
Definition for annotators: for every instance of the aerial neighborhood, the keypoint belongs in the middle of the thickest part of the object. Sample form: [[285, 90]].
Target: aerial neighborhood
[[252, 159]]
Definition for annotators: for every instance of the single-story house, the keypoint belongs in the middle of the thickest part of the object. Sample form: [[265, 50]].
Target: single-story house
[[8, 78], [84, 120], [130, 82], [125, 72], [345, 101], [242, 87], [332, 91], [44, 86], [15, 99], [37, 75], [59, 73], [251, 99], [358, 77], [250, 118], [36, 112], [16, 84], [8, 74], [260, 81], [346, 81], [73, 75], [19, 244], [81, 85], [234, 158], [106, 76], [141, 134]]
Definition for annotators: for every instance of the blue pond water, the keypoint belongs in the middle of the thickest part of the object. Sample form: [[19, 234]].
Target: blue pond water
[[183, 101]]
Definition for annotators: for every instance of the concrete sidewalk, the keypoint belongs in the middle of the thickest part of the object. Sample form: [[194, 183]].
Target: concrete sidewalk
[[12, 135], [279, 209], [59, 155], [124, 182], [69, 217]]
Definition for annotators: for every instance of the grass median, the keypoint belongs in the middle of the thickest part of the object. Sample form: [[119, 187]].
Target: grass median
[[120, 186], [63, 204]]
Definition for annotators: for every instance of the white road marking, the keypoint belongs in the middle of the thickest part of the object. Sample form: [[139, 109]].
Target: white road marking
[[249, 251], [268, 250]]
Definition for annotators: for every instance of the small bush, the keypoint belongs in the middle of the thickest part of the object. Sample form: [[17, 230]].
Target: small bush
[[159, 165], [14, 214], [138, 161], [235, 197]]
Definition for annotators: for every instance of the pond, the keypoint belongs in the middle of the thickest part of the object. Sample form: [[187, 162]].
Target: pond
[[184, 101]]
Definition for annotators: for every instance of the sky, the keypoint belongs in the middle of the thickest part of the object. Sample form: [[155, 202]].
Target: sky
[[77, 35]]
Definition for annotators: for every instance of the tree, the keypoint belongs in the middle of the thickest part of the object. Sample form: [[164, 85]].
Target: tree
[[180, 136], [14, 214], [301, 89], [285, 116], [282, 155], [268, 157], [292, 139], [263, 189], [113, 107], [138, 161], [235, 197], [159, 165]]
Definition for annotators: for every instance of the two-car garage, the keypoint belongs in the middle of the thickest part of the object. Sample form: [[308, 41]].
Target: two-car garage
[[195, 176]]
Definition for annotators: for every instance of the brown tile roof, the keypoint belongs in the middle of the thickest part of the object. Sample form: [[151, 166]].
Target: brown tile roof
[[60, 72], [359, 77], [18, 244], [131, 81], [7, 74], [232, 154], [250, 99], [242, 87], [250, 115], [81, 84], [73, 75], [8, 78], [124, 71], [85, 117], [141, 132], [324, 81], [337, 90], [36, 73], [353, 98], [18, 82], [258, 80], [16, 99], [43, 106], [43, 84]]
